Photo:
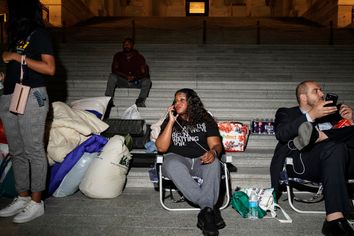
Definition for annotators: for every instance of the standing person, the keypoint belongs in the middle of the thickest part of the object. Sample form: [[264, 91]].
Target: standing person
[[29, 42], [191, 140], [320, 153], [129, 70]]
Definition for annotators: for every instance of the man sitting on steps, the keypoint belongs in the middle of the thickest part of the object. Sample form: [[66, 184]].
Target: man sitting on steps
[[129, 70], [320, 152]]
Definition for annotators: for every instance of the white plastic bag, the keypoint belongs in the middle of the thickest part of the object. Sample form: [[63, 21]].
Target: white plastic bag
[[266, 203], [131, 113], [156, 128], [70, 184]]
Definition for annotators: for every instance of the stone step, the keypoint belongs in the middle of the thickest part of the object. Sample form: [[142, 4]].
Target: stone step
[[158, 49], [244, 177], [252, 157], [151, 115], [309, 58], [231, 95], [162, 95], [251, 177], [256, 156], [252, 166], [226, 62], [93, 72], [258, 147], [157, 95], [222, 103], [235, 82], [224, 84], [202, 70], [231, 30]]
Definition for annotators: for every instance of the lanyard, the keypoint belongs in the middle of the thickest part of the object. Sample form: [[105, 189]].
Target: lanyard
[[23, 63]]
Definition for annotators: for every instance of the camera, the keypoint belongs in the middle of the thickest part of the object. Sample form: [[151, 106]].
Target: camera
[[331, 97]]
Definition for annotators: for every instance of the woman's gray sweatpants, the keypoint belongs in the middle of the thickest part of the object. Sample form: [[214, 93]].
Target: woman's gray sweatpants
[[25, 137], [180, 170]]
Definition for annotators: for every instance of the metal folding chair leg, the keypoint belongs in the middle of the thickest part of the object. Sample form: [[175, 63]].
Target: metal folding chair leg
[[290, 200], [288, 181]]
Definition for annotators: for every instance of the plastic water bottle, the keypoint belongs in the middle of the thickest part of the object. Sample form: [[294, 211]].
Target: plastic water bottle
[[252, 203]]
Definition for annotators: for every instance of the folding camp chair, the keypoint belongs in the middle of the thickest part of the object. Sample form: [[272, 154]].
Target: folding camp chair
[[313, 188], [165, 186]]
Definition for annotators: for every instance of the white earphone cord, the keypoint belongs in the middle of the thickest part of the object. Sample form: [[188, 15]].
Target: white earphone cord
[[200, 144], [302, 163], [185, 132]]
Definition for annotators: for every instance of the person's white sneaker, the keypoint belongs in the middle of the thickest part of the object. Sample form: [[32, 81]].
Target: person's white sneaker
[[15, 206], [30, 212]]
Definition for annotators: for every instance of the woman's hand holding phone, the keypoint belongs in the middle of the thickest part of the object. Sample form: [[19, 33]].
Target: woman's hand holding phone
[[172, 112]]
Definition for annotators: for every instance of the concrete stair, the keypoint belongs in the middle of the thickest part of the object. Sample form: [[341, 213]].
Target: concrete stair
[[235, 83], [239, 81], [181, 30]]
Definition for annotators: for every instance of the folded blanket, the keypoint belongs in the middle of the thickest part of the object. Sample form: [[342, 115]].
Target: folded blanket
[[70, 128]]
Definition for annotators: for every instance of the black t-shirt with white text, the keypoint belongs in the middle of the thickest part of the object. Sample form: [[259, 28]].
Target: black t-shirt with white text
[[183, 141], [38, 44]]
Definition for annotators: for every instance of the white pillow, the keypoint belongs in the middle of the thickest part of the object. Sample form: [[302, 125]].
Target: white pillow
[[107, 174], [96, 105]]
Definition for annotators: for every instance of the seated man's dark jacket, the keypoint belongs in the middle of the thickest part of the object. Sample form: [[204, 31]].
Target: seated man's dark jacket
[[287, 122]]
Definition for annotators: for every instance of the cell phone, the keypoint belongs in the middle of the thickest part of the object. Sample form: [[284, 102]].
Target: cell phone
[[331, 97], [174, 112], [40, 98]]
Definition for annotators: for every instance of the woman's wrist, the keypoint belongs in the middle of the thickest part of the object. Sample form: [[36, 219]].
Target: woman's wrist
[[216, 154]]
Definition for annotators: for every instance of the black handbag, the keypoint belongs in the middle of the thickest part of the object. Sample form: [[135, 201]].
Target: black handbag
[[138, 130]]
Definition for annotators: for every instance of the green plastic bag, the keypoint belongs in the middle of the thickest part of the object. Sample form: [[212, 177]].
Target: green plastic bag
[[266, 204], [239, 202]]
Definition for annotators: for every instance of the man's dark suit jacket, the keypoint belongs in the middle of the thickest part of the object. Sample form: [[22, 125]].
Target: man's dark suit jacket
[[287, 122]]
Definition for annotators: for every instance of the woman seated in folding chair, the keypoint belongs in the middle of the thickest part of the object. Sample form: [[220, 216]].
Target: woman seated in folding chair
[[190, 138]]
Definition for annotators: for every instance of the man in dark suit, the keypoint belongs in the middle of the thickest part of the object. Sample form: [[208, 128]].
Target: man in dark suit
[[320, 153]]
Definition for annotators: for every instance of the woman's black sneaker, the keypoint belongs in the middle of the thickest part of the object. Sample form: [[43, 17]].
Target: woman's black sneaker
[[206, 222], [219, 221]]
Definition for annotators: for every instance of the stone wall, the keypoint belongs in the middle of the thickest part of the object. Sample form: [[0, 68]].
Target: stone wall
[[68, 11], [320, 11], [323, 12], [345, 14]]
